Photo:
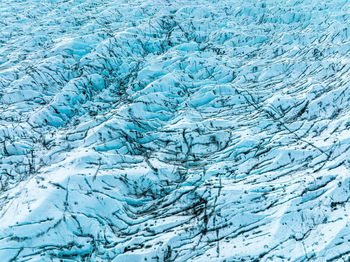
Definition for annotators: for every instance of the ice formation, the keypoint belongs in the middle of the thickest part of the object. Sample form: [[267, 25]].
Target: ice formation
[[168, 130]]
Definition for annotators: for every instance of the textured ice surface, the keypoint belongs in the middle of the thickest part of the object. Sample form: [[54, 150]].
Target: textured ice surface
[[174, 130]]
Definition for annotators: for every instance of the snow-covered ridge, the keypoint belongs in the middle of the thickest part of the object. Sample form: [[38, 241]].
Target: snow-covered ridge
[[174, 130]]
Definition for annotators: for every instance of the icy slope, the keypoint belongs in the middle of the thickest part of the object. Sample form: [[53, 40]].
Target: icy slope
[[174, 131]]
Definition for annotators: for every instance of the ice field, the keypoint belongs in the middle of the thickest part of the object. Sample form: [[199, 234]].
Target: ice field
[[205, 130]]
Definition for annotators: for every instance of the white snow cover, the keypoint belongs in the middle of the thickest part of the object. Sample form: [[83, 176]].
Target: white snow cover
[[169, 130]]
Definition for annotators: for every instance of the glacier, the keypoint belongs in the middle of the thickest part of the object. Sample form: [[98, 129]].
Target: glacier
[[203, 130]]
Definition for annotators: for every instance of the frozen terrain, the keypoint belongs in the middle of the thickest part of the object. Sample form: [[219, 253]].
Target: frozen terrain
[[168, 130]]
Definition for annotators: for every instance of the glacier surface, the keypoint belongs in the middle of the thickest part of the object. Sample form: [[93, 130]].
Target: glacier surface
[[161, 130]]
